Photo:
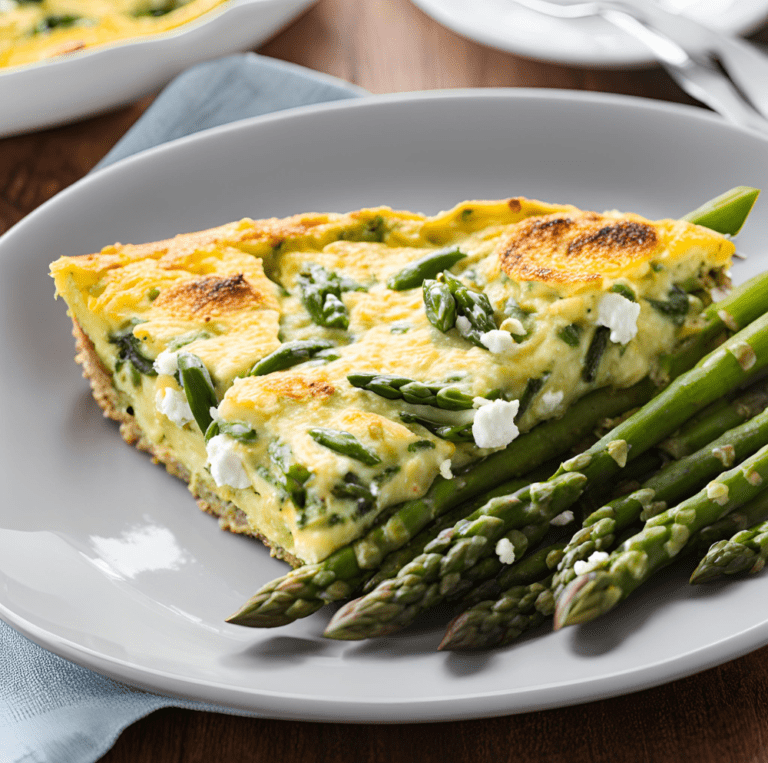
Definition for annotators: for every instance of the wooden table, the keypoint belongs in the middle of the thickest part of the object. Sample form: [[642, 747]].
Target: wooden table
[[718, 716]]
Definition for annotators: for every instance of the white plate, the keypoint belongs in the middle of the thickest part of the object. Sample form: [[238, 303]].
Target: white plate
[[104, 558], [66, 88], [581, 42]]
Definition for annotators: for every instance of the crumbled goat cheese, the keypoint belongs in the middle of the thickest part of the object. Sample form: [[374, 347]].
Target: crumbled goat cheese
[[550, 402], [226, 466], [167, 363], [7, 5], [494, 425], [445, 469], [562, 519], [463, 325], [505, 551], [497, 341], [173, 404], [596, 558], [717, 492], [620, 315]]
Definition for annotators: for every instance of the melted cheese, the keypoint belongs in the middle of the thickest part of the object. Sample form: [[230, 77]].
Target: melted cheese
[[34, 30], [232, 295]]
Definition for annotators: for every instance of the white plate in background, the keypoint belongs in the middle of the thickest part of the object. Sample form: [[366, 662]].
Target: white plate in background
[[105, 559], [591, 42], [62, 89]]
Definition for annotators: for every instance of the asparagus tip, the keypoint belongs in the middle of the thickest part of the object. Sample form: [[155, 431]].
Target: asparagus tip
[[585, 598]]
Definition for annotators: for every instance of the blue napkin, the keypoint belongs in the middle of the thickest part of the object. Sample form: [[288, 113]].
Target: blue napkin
[[52, 711]]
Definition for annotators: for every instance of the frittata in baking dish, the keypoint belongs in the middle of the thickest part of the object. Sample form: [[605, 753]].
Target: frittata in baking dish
[[305, 374], [34, 30]]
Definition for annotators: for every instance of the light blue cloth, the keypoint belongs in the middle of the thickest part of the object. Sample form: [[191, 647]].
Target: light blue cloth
[[52, 711]]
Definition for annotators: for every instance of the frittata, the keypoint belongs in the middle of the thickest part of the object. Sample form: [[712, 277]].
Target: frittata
[[305, 374], [34, 30]]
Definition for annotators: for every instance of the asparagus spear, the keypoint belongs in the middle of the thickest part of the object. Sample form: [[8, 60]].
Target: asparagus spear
[[719, 417], [428, 266], [725, 213], [321, 292], [198, 388], [344, 443], [437, 573], [474, 314], [439, 305], [532, 568], [658, 543], [289, 354], [395, 561], [498, 622], [673, 483], [745, 553], [444, 395], [595, 352]]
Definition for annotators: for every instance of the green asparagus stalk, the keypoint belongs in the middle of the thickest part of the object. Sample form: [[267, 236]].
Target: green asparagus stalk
[[345, 444], [445, 395], [739, 359], [198, 388], [395, 561], [289, 354], [428, 266], [321, 292], [473, 307], [498, 622], [437, 573], [673, 483], [725, 213], [722, 415], [439, 305], [532, 568], [129, 351], [595, 352], [659, 542], [743, 554]]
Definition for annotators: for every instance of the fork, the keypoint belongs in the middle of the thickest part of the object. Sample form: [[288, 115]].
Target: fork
[[697, 74]]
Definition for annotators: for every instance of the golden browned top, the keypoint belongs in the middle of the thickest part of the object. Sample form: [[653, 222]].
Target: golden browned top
[[575, 248], [210, 296]]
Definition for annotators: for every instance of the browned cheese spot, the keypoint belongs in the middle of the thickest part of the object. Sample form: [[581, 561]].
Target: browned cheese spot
[[210, 296], [576, 248], [515, 205], [298, 387]]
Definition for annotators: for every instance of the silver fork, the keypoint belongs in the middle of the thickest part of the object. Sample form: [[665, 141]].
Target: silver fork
[[697, 74]]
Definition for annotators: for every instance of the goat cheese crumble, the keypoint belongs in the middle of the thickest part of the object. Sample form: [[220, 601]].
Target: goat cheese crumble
[[494, 424], [173, 404], [498, 341], [505, 551], [596, 558], [562, 519], [225, 464], [620, 315], [167, 363], [445, 469]]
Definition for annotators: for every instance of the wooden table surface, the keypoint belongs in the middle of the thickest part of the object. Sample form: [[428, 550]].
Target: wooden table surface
[[718, 716]]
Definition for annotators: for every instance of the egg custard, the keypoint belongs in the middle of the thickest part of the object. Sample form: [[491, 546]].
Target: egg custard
[[305, 374], [35, 30]]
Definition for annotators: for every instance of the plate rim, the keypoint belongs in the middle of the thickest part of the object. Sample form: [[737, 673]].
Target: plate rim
[[631, 60], [294, 706]]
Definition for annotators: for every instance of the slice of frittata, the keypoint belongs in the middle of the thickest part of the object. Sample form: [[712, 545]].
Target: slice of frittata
[[304, 374]]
